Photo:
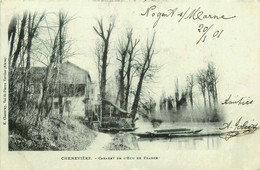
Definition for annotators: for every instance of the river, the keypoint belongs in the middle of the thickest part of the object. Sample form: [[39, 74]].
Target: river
[[190, 143], [152, 144]]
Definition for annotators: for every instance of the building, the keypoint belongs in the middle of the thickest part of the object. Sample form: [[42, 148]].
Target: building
[[79, 93]]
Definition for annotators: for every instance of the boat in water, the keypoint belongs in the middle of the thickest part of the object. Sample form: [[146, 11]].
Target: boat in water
[[171, 130], [116, 130], [168, 133]]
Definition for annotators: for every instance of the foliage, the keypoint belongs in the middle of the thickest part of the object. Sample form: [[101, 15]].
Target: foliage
[[51, 134]]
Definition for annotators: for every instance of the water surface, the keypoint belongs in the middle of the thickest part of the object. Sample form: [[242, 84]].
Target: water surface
[[184, 143]]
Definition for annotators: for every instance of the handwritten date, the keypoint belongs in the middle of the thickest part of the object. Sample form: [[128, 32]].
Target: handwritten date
[[196, 14], [205, 31]]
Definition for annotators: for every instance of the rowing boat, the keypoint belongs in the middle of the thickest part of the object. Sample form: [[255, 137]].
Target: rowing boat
[[167, 134], [171, 130], [116, 130]]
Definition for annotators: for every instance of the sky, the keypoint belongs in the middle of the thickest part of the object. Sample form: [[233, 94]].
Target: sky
[[235, 53], [175, 44]]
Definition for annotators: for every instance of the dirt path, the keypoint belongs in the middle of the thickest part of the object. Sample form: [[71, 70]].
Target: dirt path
[[100, 142]]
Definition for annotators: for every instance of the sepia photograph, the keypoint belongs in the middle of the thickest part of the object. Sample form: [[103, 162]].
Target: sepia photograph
[[134, 77]]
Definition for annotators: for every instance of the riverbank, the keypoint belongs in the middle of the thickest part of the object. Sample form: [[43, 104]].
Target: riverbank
[[53, 134], [124, 141], [101, 141]]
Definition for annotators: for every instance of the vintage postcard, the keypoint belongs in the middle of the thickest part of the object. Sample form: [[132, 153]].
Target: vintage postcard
[[135, 85]]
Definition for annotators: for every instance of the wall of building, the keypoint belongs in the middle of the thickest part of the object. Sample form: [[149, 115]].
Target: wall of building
[[74, 79]]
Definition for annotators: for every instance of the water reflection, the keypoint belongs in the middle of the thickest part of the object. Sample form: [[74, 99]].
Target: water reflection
[[190, 143]]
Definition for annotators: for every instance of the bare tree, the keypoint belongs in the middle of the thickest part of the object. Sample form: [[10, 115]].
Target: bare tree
[[122, 58], [126, 57], [27, 29], [182, 102], [98, 52], [11, 35], [129, 72], [212, 78], [144, 67], [190, 82], [148, 105], [53, 71], [177, 94], [19, 43], [33, 25], [43, 100], [105, 46], [163, 101], [63, 20], [14, 57], [209, 89], [201, 80]]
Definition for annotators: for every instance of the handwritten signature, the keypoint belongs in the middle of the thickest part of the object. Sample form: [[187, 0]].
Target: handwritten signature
[[239, 129], [241, 101]]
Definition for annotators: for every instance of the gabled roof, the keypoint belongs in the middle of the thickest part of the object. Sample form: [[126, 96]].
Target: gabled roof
[[38, 73], [74, 65]]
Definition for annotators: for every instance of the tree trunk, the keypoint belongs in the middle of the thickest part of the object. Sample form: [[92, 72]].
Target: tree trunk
[[45, 93], [127, 96], [204, 99], [121, 84], [11, 33], [209, 98], [105, 44], [103, 78], [216, 93], [59, 72], [15, 56], [191, 99], [28, 60], [46, 81], [137, 97], [128, 81], [21, 38]]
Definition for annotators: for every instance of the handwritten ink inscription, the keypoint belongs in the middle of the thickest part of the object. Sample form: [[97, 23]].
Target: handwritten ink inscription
[[188, 14], [239, 129], [240, 101], [205, 29]]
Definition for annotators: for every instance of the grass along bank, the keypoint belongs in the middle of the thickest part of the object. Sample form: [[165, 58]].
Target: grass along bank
[[51, 134]]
